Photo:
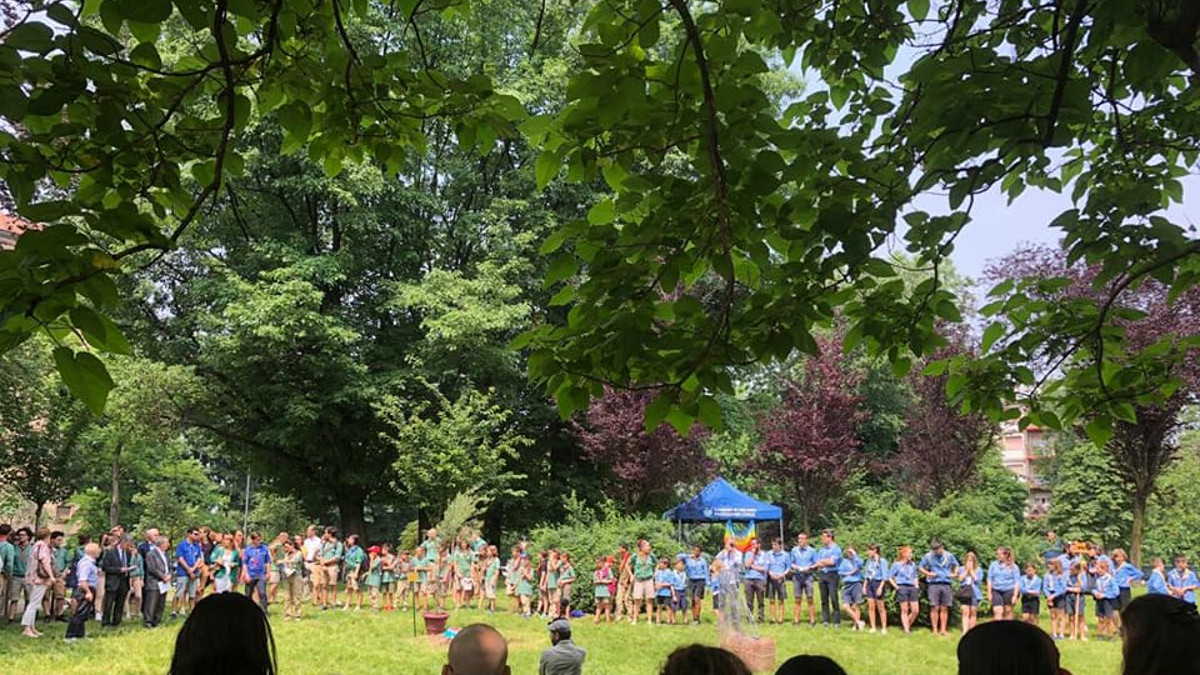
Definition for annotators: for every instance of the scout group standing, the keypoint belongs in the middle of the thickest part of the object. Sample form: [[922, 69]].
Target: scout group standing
[[115, 578]]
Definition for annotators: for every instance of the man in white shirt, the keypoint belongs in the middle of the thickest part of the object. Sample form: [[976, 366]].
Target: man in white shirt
[[312, 552]]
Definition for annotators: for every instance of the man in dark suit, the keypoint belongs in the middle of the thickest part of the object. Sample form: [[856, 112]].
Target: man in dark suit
[[157, 570], [116, 563]]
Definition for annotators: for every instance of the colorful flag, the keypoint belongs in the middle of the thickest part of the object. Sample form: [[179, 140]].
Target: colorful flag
[[741, 534]]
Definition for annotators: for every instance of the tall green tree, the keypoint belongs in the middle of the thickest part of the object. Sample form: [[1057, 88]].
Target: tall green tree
[[671, 104], [41, 425], [1089, 500]]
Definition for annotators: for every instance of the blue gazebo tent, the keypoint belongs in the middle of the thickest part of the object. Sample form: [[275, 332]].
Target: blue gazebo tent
[[721, 502]]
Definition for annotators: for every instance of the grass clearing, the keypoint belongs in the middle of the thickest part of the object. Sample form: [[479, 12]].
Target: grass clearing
[[367, 643]]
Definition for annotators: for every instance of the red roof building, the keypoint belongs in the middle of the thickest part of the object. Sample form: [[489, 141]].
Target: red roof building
[[11, 227]]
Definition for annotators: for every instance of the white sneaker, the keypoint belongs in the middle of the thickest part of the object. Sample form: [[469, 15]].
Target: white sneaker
[[872, 631], [862, 624], [883, 632]]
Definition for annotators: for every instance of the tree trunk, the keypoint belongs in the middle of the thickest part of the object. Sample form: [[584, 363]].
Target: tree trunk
[[37, 515], [351, 510], [114, 509], [1135, 532]]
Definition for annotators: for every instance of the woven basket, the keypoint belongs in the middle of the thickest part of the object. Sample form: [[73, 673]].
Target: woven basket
[[757, 653]]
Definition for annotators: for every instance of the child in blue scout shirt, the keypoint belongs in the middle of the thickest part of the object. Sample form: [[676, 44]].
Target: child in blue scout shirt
[[851, 572], [1107, 592], [1156, 584], [1031, 595], [1054, 585], [1077, 584], [714, 586], [804, 561], [903, 578], [664, 585], [1182, 582], [1126, 575], [680, 597], [779, 562], [875, 578]]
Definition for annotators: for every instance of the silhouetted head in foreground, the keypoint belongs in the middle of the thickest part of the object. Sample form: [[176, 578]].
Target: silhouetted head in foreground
[[227, 634], [478, 649], [703, 660], [1008, 648], [1162, 636], [807, 664]]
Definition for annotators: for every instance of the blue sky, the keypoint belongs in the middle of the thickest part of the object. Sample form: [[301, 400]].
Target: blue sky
[[997, 228]]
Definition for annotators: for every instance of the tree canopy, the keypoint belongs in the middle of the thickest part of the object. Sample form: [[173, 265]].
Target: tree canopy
[[699, 212]]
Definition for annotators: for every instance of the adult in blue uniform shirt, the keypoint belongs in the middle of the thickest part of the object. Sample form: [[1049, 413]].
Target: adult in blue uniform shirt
[[755, 565], [1126, 575], [938, 567], [829, 557], [804, 561], [1002, 577], [696, 566], [851, 572], [779, 562], [1182, 582]]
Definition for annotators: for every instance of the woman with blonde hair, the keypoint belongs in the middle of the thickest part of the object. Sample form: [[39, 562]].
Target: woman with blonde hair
[[969, 595]]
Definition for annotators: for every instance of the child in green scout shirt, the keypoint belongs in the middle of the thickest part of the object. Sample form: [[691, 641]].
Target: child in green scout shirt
[[355, 557], [374, 575], [525, 586], [464, 586], [400, 569], [601, 578], [445, 568], [388, 582], [491, 577], [552, 567], [566, 578], [421, 564]]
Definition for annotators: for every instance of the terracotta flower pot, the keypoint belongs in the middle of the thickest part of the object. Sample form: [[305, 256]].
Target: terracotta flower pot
[[435, 622]]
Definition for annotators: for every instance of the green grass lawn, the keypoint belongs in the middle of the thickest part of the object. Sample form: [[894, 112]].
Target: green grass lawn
[[369, 644]]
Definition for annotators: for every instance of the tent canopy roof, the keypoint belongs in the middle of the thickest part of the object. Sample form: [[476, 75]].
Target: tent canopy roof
[[718, 502]]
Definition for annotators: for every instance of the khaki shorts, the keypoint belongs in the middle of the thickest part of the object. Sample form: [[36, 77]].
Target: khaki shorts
[[316, 573], [489, 590], [3, 594], [352, 582], [643, 590]]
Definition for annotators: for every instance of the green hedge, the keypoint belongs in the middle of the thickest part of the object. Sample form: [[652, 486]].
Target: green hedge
[[588, 539]]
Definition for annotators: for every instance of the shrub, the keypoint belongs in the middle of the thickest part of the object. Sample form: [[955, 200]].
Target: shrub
[[586, 537]]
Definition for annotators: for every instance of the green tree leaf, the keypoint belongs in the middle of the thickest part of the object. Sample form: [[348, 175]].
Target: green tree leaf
[[86, 377]]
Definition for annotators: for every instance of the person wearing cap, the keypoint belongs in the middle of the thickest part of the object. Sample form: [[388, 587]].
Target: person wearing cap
[[939, 566], [564, 657], [374, 580]]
